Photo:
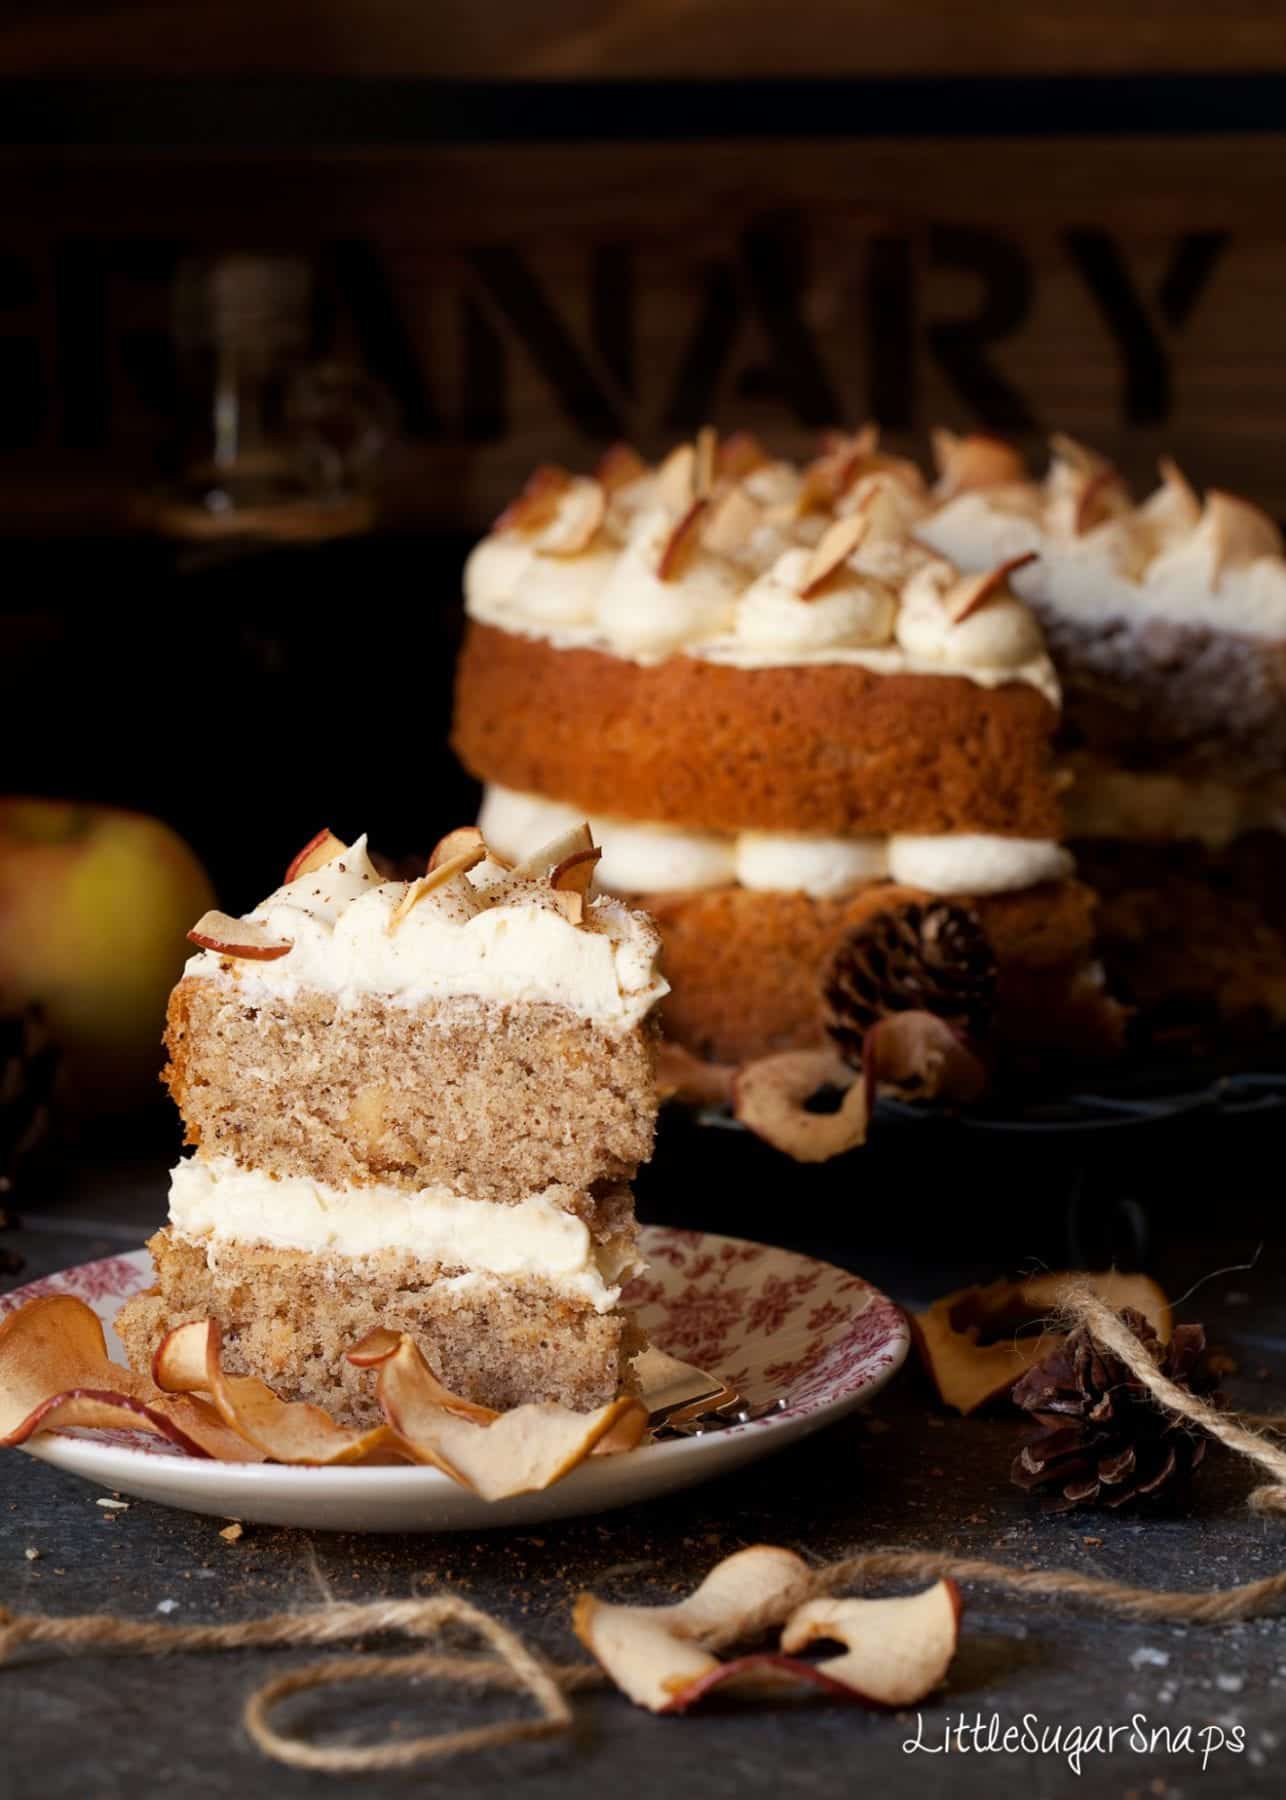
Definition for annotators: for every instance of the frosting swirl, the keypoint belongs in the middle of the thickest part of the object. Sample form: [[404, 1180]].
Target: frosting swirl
[[1001, 634], [855, 609]]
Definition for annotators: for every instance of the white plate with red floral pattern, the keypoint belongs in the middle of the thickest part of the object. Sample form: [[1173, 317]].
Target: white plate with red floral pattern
[[771, 1322]]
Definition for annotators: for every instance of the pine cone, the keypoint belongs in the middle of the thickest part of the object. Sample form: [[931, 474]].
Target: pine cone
[[1104, 1440], [926, 956], [28, 1063]]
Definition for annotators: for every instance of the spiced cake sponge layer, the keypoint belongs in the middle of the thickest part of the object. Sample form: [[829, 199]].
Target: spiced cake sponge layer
[[826, 748], [289, 1317], [497, 1101], [745, 968]]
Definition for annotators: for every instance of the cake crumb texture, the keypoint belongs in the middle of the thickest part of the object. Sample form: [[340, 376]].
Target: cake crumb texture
[[289, 1316], [831, 749], [498, 1101]]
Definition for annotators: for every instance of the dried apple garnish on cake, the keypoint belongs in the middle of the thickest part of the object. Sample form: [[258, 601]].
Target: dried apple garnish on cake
[[55, 1374], [1103, 495], [245, 938], [1241, 533], [730, 522], [571, 880], [618, 467], [662, 1657], [683, 541], [189, 1360], [676, 479], [974, 460], [836, 544], [456, 843], [772, 1097], [537, 503], [316, 853], [451, 870], [580, 511], [575, 839], [976, 1342], [739, 455], [965, 597], [517, 1452]]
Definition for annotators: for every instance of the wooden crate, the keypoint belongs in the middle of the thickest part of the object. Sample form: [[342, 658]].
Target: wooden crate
[[993, 247]]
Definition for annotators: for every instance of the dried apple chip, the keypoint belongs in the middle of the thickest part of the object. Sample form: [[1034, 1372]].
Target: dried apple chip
[[974, 461], [438, 876], [970, 1342], [572, 842], [518, 1452], [683, 541], [895, 1651], [618, 467], [316, 853], [382, 1345], [456, 843], [836, 544], [974, 591], [55, 1374], [918, 1056], [492, 1453], [771, 1096], [536, 505], [237, 937], [188, 1360], [1240, 531], [655, 1654]]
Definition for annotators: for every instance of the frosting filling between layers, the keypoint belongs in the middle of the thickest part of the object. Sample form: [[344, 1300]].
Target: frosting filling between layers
[[346, 938], [654, 859], [218, 1202]]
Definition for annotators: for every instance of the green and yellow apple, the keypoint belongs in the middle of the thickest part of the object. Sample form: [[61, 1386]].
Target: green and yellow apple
[[94, 905]]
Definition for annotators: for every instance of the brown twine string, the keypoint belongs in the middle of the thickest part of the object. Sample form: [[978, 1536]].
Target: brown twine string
[[515, 1668], [1085, 1308]]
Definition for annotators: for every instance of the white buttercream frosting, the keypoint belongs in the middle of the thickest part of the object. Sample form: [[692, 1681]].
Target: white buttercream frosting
[[219, 1202], [1168, 559], [732, 601], [1001, 633], [652, 859], [825, 868], [974, 863], [641, 613], [506, 942], [854, 609]]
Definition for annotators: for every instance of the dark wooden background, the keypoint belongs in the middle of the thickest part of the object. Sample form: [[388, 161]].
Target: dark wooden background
[[543, 227], [547, 227]]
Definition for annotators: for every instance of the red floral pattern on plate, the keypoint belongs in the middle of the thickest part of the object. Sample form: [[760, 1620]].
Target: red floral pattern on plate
[[773, 1322]]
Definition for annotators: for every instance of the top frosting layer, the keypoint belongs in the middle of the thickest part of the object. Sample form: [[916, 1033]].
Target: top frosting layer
[[486, 932], [735, 559], [1217, 564]]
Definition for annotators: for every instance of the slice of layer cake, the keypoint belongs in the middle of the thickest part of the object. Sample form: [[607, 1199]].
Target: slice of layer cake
[[415, 1105]]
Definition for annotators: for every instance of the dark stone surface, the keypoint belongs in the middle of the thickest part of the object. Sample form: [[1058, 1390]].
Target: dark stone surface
[[909, 1477]]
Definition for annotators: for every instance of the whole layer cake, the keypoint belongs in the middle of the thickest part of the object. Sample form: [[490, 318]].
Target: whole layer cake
[[1167, 621], [415, 1105], [781, 712]]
